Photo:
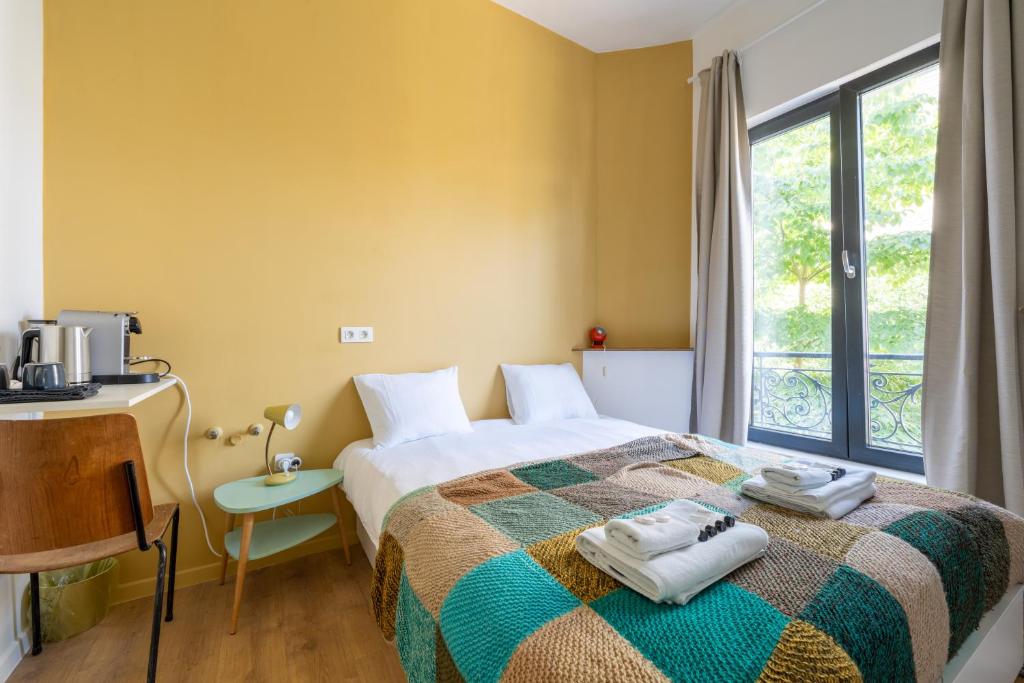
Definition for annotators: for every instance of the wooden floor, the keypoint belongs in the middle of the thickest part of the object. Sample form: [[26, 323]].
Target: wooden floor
[[304, 620]]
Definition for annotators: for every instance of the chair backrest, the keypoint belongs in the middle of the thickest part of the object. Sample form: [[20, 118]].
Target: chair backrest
[[63, 482]]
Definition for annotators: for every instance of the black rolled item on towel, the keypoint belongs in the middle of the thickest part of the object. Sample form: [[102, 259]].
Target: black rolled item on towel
[[730, 521]]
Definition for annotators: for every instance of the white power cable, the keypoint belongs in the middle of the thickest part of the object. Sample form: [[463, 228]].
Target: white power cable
[[188, 475]]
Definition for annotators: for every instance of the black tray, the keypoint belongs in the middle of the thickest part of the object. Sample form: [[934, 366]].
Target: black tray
[[73, 393]]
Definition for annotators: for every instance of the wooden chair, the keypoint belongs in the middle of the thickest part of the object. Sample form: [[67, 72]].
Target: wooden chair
[[74, 491]]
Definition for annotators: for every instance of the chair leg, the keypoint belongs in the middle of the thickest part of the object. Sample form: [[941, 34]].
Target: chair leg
[[173, 569], [158, 607], [37, 624]]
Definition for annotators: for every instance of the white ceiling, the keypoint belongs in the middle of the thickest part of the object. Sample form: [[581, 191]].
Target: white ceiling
[[607, 25]]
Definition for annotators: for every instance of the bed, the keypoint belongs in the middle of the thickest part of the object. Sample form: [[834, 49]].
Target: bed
[[476, 577]]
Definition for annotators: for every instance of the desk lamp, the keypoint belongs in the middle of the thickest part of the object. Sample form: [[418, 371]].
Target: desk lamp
[[288, 416]]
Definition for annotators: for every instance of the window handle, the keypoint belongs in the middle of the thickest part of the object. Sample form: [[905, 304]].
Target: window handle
[[850, 271]]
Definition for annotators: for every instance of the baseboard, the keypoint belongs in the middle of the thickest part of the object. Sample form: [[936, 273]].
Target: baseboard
[[9, 660], [143, 588], [11, 657]]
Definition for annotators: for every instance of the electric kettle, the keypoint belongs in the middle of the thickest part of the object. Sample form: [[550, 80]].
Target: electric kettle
[[47, 342]]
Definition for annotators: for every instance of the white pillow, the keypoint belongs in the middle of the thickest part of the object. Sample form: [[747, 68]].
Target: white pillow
[[412, 406], [537, 393]]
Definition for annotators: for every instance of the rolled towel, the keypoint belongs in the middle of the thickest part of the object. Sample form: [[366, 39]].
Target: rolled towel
[[674, 526], [802, 473], [833, 500], [678, 575]]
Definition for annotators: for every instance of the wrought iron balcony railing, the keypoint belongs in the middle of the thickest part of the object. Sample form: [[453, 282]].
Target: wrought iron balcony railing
[[792, 393]]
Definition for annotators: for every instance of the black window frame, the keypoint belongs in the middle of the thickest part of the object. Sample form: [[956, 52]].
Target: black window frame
[[849, 352]]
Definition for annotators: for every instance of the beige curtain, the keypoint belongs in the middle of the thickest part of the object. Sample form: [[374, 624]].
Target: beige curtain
[[972, 413], [723, 352]]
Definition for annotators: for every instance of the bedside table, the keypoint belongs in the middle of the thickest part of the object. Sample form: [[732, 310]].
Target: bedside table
[[246, 497]]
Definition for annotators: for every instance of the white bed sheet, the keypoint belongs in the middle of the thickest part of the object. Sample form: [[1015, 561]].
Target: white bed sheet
[[377, 477]]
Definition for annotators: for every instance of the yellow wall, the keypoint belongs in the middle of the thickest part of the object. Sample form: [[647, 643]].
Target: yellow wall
[[250, 175], [643, 165]]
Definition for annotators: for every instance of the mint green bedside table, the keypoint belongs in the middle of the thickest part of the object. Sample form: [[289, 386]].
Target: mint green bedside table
[[246, 497]]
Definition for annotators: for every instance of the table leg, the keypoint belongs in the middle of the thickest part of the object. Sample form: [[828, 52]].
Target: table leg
[[243, 560], [336, 497], [228, 526]]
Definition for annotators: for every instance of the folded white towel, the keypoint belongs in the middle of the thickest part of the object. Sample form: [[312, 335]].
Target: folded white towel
[[674, 526], [801, 473], [854, 478], [678, 575], [833, 500]]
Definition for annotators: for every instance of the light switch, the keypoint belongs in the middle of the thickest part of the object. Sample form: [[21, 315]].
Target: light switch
[[356, 335]]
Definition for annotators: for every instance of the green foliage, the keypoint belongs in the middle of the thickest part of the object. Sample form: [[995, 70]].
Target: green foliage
[[792, 206], [792, 223], [800, 328], [900, 256], [899, 132], [896, 330]]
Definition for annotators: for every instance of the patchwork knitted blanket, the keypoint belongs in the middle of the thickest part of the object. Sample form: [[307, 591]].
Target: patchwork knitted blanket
[[477, 579]]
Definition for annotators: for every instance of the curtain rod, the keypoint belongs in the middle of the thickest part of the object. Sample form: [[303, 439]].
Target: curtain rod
[[767, 34]]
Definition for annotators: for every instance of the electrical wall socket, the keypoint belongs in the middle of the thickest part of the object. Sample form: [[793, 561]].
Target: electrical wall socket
[[356, 335], [284, 462]]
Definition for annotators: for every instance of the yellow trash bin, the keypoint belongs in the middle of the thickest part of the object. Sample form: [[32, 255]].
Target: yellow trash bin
[[72, 600]]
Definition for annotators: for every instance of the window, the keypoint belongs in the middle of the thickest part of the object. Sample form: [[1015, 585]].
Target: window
[[842, 202]]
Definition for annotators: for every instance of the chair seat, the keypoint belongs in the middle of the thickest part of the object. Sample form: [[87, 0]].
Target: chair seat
[[88, 552]]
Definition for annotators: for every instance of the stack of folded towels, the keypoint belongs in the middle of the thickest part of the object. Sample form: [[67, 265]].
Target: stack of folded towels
[[812, 487], [674, 553]]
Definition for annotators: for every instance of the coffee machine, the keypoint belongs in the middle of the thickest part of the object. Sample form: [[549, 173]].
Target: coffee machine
[[110, 345]]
